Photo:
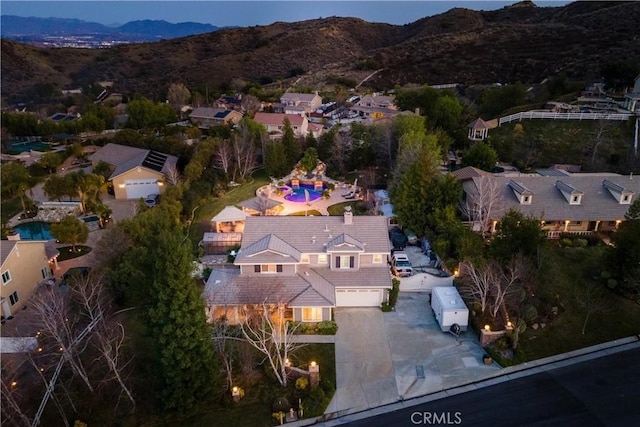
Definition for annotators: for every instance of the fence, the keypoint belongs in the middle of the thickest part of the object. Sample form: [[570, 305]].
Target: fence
[[549, 115]]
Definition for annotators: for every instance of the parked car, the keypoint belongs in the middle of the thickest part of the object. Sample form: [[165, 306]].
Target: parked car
[[398, 238], [152, 200], [400, 265]]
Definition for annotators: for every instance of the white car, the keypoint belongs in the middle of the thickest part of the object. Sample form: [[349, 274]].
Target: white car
[[152, 200], [400, 265]]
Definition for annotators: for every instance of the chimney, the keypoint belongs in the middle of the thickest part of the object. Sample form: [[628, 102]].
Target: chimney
[[348, 216]]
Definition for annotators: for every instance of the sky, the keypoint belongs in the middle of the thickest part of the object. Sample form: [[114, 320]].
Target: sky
[[244, 13]]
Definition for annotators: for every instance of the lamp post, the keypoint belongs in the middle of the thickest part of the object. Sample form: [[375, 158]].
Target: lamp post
[[314, 374]]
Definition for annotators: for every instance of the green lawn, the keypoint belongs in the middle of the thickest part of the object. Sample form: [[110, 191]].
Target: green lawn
[[357, 207], [567, 272], [310, 212], [66, 252], [202, 220]]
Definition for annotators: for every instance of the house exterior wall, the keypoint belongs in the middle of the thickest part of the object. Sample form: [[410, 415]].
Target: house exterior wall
[[119, 187], [249, 270], [25, 265]]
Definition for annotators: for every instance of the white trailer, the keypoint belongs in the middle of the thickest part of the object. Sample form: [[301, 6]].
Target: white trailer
[[449, 308]]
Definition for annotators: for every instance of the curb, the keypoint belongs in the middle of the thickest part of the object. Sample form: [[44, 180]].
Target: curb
[[506, 374]]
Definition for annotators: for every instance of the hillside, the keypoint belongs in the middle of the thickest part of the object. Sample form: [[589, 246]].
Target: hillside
[[522, 42]]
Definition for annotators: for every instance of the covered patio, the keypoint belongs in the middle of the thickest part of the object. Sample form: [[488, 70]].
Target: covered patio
[[229, 220]]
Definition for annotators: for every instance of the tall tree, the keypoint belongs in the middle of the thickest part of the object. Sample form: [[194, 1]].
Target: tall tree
[[187, 367], [70, 230], [291, 144], [480, 155], [517, 233]]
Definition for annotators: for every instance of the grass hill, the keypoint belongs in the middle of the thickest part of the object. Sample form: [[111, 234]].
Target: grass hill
[[521, 42]]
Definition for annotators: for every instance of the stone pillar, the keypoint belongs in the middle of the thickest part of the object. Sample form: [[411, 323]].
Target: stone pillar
[[314, 374], [566, 225]]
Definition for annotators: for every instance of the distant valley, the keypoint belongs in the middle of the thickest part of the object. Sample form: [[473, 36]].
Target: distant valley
[[56, 32]]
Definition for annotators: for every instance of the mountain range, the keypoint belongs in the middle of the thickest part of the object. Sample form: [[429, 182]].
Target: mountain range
[[521, 42], [39, 29]]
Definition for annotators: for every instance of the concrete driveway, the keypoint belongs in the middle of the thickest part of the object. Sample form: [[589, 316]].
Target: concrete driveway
[[385, 357]]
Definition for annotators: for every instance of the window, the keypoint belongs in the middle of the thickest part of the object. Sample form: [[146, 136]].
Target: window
[[45, 272], [6, 277], [576, 199], [576, 222], [345, 262], [13, 298], [526, 199], [304, 258], [377, 258], [625, 198], [312, 314], [268, 268], [322, 259], [612, 223]]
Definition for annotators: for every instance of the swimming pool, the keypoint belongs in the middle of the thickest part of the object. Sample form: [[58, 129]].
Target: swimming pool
[[28, 146], [37, 230], [297, 194]]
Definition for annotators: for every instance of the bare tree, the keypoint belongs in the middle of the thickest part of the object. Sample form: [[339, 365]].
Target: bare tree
[[223, 157], [244, 151], [222, 342], [173, 176], [12, 413], [265, 329], [513, 273], [485, 205], [178, 95], [342, 150], [54, 317], [591, 299], [250, 103], [477, 282]]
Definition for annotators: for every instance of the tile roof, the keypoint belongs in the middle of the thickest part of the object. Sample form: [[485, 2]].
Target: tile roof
[[270, 248], [478, 124], [277, 119], [469, 172], [205, 112], [6, 246], [313, 234], [344, 242], [230, 213], [300, 97]]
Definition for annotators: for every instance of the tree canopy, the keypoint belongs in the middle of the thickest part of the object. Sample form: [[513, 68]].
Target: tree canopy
[[70, 230]]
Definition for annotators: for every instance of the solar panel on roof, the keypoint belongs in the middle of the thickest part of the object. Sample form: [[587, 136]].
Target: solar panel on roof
[[155, 160]]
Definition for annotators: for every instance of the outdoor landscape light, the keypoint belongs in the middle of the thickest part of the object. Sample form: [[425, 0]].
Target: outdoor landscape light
[[313, 364], [508, 324], [487, 328], [14, 383]]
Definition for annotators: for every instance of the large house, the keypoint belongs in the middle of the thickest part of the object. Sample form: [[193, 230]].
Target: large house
[[137, 172], [378, 101], [25, 264], [564, 202], [300, 103], [306, 265], [274, 122], [205, 117]]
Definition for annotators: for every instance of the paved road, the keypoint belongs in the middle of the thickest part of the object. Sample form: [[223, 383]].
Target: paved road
[[598, 392]]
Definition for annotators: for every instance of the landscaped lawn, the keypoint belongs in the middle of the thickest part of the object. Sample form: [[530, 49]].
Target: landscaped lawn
[[202, 220], [568, 271], [255, 407], [357, 207], [310, 212], [66, 252]]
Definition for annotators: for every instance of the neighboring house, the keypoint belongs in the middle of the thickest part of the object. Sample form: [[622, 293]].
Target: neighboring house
[[305, 265], [300, 103], [137, 172], [377, 101], [25, 264], [274, 122], [580, 203], [205, 117], [366, 112], [227, 102]]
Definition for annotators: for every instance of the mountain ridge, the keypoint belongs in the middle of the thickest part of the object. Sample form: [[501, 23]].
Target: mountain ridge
[[459, 46]]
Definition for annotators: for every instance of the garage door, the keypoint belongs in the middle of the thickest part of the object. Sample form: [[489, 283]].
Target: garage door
[[137, 188], [358, 297]]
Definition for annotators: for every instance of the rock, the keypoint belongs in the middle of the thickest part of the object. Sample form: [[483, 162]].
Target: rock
[[535, 326], [542, 325], [554, 310]]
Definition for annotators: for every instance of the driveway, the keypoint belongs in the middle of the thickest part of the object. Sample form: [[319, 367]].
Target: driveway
[[385, 357]]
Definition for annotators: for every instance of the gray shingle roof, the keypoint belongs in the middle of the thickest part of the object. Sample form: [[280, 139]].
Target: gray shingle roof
[[313, 234], [6, 246], [270, 248], [344, 242], [549, 204], [125, 158]]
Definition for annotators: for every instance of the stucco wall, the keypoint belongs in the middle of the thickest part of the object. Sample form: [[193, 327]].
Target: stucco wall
[[25, 264], [136, 173]]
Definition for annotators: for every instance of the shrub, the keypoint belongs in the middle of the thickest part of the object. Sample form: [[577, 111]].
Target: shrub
[[565, 243], [326, 194], [530, 314], [302, 383], [281, 404], [612, 283], [327, 327], [386, 307], [580, 243], [393, 293]]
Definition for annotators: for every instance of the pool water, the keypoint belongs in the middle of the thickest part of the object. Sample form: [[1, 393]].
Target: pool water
[[297, 195], [28, 146], [36, 230]]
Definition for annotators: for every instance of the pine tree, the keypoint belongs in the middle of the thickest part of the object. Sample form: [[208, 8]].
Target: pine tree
[[291, 145]]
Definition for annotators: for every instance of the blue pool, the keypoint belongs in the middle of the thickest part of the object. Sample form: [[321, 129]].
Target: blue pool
[[297, 195], [28, 146], [37, 230]]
